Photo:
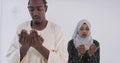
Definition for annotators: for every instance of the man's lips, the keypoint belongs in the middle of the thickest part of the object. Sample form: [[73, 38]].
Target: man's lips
[[35, 18]]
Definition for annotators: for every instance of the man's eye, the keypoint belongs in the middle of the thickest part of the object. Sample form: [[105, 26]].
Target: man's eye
[[39, 9], [31, 9]]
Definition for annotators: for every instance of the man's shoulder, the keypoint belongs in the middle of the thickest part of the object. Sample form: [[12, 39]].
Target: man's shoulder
[[54, 25], [24, 24], [55, 28]]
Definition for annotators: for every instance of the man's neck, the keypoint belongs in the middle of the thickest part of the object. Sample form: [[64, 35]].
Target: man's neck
[[39, 27]]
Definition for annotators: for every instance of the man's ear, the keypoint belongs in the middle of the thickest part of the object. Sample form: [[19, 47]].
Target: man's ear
[[46, 7]]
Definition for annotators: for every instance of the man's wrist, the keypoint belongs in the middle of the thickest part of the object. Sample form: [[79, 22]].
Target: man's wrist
[[25, 48]]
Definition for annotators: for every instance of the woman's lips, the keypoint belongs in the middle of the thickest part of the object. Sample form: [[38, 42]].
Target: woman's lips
[[84, 35]]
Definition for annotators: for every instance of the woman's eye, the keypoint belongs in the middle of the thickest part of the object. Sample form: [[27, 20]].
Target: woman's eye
[[81, 29], [87, 29]]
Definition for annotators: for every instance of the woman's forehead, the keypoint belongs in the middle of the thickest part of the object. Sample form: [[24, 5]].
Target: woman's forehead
[[84, 25]]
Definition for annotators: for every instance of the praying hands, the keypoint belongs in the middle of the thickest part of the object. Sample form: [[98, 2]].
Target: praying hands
[[27, 40]]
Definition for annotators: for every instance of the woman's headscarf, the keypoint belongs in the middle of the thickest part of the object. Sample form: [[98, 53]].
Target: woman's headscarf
[[79, 40]]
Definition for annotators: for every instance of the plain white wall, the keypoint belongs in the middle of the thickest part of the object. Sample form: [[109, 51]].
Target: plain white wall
[[0, 26], [104, 16]]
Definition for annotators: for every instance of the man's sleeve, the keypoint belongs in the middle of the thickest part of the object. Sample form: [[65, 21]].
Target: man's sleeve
[[59, 55], [13, 53]]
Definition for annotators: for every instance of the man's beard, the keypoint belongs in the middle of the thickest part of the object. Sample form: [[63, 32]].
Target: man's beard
[[37, 23]]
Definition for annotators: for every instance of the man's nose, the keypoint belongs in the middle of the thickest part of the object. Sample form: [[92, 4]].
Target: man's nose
[[35, 12]]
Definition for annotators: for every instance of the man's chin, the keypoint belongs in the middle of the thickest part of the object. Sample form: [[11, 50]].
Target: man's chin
[[37, 22]]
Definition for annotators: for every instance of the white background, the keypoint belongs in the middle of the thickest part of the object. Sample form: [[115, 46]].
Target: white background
[[104, 16]]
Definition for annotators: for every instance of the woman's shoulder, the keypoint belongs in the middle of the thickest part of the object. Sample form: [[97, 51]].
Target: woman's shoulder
[[70, 41], [71, 47], [96, 42]]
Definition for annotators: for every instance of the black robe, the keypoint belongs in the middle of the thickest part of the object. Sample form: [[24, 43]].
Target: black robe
[[74, 57]]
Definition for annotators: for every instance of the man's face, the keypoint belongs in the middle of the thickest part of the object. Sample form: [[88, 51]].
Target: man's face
[[37, 10]]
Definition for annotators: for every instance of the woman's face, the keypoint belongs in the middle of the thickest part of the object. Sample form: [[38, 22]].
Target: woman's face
[[84, 30]]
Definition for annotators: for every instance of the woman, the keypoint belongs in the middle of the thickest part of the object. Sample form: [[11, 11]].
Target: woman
[[82, 48]]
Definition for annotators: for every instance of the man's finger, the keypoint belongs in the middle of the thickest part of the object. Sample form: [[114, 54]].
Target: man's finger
[[35, 33], [40, 38]]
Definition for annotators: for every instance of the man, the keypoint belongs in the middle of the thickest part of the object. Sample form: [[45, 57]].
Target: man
[[38, 40]]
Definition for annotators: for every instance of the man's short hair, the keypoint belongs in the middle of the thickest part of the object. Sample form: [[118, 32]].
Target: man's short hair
[[44, 1]]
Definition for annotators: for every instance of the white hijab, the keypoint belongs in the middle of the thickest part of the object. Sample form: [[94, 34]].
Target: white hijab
[[79, 40]]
